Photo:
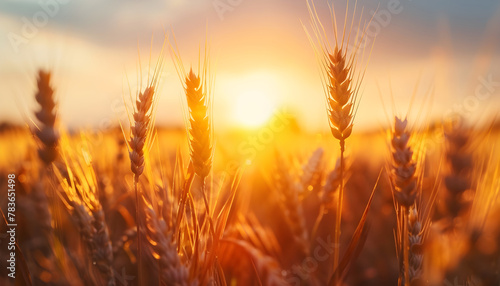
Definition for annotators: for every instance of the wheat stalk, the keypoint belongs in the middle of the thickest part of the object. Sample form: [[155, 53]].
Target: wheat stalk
[[291, 206], [404, 184], [139, 135], [48, 139], [340, 114], [341, 85], [198, 88]]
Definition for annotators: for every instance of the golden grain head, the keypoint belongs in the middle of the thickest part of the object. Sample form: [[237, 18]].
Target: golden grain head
[[200, 127]]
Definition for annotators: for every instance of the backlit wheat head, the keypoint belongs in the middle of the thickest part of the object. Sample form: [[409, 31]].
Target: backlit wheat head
[[200, 130], [198, 87], [341, 82]]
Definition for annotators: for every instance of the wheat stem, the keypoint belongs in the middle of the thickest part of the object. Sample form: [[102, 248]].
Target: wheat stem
[[340, 202], [406, 248]]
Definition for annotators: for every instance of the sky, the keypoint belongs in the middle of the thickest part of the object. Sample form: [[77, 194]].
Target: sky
[[446, 53]]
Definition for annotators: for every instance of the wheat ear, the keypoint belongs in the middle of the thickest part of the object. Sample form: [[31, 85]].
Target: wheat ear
[[46, 132], [457, 181], [172, 271], [94, 232], [404, 167], [140, 130], [416, 256], [200, 129]]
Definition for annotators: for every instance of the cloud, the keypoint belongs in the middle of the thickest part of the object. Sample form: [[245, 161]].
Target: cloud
[[111, 22]]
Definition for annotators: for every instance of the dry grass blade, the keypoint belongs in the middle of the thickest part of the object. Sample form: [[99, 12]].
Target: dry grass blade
[[224, 214], [356, 244]]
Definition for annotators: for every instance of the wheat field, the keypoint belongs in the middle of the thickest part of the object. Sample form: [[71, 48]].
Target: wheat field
[[415, 202]]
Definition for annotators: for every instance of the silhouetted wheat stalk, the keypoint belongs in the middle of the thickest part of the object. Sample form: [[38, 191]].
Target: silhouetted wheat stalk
[[458, 179], [48, 139], [404, 184]]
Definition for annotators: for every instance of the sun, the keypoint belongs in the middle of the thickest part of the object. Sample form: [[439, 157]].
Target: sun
[[253, 108]]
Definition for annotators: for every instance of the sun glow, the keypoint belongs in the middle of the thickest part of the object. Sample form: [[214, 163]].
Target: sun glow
[[253, 108]]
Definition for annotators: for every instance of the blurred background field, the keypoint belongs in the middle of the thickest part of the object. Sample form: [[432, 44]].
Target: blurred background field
[[259, 193]]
